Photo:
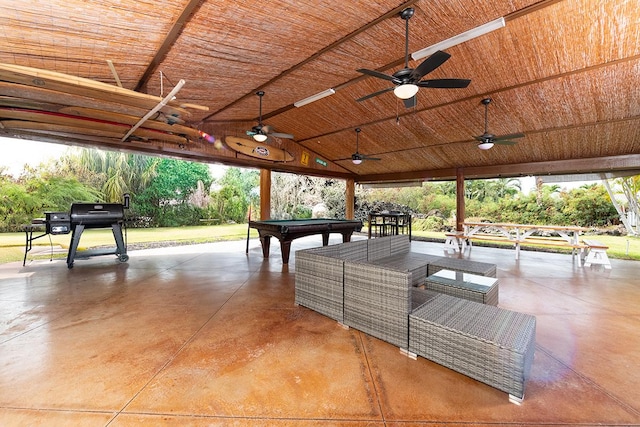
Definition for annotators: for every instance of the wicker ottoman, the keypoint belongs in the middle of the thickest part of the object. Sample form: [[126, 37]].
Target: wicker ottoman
[[464, 285], [490, 344], [464, 265]]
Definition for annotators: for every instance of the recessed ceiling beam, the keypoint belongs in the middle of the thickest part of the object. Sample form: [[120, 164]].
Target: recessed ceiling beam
[[173, 34], [574, 166]]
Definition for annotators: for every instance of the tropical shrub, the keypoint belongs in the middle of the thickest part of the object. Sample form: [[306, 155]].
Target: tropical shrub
[[430, 223], [590, 206]]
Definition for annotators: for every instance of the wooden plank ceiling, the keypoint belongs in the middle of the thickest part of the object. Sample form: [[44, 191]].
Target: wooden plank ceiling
[[564, 73]]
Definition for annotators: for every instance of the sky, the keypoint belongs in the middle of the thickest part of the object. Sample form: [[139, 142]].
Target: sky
[[15, 153], [18, 152]]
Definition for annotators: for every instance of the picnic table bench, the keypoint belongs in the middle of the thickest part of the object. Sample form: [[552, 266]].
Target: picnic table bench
[[596, 254]]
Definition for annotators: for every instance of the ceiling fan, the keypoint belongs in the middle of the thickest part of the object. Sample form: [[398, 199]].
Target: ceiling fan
[[356, 157], [407, 81], [487, 140], [261, 132]]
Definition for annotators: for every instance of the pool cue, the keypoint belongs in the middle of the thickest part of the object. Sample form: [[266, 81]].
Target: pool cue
[[248, 229]]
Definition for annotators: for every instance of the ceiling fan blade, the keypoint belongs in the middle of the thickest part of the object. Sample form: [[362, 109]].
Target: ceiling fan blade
[[374, 73], [281, 135], [270, 131], [411, 102], [481, 138], [485, 137], [255, 130], [430, 64], [445, 83], [371, 95], [504, 142], [264, 128], [510, 136]]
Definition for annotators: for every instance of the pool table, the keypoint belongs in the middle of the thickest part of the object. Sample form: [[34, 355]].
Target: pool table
[[290, 229]]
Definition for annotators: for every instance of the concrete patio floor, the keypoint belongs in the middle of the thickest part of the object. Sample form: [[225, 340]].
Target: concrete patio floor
[[206, 335]]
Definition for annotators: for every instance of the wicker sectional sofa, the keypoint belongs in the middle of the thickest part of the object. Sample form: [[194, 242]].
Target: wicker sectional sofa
[[372, 286], [320, 271], [320, 276]]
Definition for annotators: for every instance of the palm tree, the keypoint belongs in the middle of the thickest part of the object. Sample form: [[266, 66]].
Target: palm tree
[[506, 186], [118, 173], [476, 189]]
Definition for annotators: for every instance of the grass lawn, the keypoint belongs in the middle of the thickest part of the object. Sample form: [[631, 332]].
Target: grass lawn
[[12, 244]]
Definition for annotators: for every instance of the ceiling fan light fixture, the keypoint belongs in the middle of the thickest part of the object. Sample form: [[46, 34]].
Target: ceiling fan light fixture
[[485, 145], [406, 91], [260, 137], [356, 161]]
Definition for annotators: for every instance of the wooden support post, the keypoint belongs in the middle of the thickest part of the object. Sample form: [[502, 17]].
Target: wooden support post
[[265, 194], [350, 199], [460, 212]]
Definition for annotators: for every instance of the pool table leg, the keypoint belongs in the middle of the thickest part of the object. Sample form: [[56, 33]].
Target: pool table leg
[[325, 239], [265, 242], [285, 249], [346, 237]]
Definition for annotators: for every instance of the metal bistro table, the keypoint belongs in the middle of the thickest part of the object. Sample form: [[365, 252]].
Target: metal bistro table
[[389, 223]]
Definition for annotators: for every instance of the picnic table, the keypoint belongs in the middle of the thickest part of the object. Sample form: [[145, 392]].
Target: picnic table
[[518, 234]]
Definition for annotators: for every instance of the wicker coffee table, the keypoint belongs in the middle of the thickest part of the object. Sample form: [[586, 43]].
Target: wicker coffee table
[[472, 287], [467, 266]]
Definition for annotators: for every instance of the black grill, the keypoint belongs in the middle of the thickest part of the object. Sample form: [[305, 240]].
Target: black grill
[[97, 215], [94, 215], [82, 216]]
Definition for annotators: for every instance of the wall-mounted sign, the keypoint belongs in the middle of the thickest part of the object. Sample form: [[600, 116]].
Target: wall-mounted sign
[[321, 162], [252, 148], [304, 159]]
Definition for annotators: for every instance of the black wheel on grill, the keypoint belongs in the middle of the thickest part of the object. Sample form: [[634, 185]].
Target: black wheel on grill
[[70, 266], [123, 258]]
